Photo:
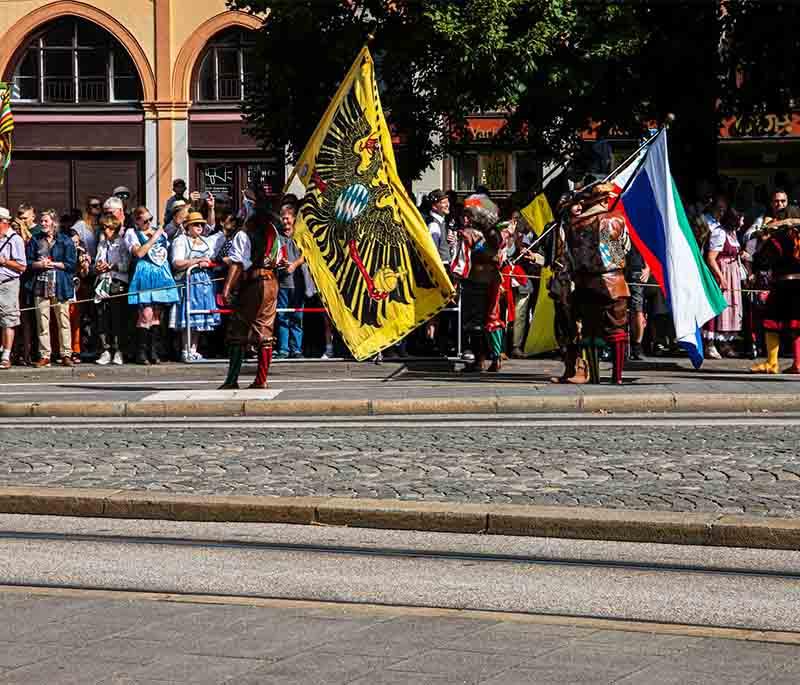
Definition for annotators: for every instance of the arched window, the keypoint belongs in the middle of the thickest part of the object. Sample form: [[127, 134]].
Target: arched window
[[74, 61], [226, 67]]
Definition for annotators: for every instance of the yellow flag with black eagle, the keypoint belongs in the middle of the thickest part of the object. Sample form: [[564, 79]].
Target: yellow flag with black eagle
[[368, 248]]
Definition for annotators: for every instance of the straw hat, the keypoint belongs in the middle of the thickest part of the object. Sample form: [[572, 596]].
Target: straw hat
[[194, 218]]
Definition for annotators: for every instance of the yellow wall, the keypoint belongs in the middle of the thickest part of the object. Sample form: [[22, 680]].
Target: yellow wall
[[135, 15], [164, 37], [187, 16]]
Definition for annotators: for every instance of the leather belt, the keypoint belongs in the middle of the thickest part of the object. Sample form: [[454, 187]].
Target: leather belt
[[263, 274]]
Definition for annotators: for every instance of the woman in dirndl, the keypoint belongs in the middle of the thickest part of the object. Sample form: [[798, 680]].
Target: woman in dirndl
[[192, 249], [152, 287], [725, 263]]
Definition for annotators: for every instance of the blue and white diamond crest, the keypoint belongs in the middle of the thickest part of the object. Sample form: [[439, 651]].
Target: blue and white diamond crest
[[352, 201]]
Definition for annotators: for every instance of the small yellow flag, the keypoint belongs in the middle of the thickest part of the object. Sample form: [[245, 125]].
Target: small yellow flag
[[538, 214], [369, 250], [541, 334]]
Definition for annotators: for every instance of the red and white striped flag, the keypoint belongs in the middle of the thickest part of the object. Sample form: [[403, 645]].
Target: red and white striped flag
[[461, 264]]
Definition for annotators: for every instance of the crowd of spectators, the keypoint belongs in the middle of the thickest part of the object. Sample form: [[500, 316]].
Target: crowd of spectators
[[107, 285], [729, 234], [729, 227]]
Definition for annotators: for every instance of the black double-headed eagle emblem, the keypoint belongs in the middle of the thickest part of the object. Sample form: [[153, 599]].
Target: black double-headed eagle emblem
[[350, 209]]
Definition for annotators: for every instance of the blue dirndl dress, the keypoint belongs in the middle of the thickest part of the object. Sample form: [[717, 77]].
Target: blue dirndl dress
[[152, 281], [203, 294]]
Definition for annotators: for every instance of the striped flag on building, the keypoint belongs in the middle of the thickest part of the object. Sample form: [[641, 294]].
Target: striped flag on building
[[6, 129]]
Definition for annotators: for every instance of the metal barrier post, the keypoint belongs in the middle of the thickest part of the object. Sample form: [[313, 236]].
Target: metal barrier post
[[188, 312], [458, 339]]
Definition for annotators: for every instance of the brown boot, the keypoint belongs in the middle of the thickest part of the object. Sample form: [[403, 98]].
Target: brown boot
[[570, 358], [581, 375]]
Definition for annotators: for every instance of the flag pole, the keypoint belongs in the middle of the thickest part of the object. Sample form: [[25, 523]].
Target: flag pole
[[345, 83], [668, 120], [539, 239]]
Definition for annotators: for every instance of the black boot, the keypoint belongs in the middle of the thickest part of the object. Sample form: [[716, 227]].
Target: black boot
[[593, 359], [155, 337], [142, 340]]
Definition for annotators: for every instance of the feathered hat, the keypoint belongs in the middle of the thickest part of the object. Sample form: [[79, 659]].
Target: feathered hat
[[483, 213]]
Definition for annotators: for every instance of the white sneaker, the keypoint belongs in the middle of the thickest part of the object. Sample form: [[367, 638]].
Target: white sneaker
[[196, 356], [328, 353], [104, 358], [186, 357], [117, 360]]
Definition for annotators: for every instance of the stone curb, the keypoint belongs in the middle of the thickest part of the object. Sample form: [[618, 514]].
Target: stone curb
[[583, 523], [611, 403], [131, 371]]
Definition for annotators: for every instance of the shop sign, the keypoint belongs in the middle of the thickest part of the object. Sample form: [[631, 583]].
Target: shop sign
[[265, 175], [219, 179], [761, 126], [482, 129]]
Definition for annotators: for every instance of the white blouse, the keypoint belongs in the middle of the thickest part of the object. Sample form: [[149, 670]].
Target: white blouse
[[185, 247], [718, 237]]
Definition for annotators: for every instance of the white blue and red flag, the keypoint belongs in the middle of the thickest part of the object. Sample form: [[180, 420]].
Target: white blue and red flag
[[661, 232]]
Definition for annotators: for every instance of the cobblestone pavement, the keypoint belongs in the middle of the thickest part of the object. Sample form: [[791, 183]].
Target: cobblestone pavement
[[92, 641], [754, 469]]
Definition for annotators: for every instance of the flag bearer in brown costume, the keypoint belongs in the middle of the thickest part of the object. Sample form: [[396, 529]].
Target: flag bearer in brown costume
[[255, 256], [598, 241], [557, 257]]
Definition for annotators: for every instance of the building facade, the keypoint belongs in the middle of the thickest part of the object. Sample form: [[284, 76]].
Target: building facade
[[139, 92], [129, 92]]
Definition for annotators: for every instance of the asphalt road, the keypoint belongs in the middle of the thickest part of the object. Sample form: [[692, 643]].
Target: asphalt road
[[657, 583], [360, 626], [729, 465]]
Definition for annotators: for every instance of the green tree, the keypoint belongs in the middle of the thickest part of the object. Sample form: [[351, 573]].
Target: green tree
[[554, 66], [438, 61]]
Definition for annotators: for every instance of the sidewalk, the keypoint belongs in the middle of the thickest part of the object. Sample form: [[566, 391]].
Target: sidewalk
[[110, 638], [392, 388]]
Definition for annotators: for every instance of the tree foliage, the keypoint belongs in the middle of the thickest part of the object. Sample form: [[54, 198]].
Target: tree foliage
[[438, 62], [554, 66]]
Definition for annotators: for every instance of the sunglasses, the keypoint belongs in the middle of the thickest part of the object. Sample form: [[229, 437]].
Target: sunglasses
[[94, 205], [147, 220]]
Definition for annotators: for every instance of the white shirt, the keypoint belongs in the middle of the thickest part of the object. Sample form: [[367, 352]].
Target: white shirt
[[240, 250], [131, 239], [88, 237], [438, 232]]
